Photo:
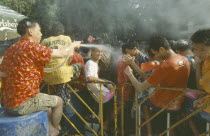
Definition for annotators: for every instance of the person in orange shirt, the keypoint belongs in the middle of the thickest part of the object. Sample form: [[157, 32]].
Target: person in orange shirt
[[173, 71], [201, 45], [23, 66], [172, 68]]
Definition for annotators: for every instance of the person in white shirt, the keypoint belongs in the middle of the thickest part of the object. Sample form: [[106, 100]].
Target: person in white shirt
[[91, 74]]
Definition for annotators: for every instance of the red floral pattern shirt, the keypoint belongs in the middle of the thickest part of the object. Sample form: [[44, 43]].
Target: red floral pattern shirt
[[23, 64]]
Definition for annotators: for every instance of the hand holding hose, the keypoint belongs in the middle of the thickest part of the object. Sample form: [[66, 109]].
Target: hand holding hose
[[76, 44], [70, 48]]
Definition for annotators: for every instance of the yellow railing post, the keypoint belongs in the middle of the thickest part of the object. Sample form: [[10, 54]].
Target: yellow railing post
[[72, 90], [115, 111], [72, 124], [82, 119], [166, 106], [182, 94], [122, 111], [137, 114], [101, 111], [100, 108]]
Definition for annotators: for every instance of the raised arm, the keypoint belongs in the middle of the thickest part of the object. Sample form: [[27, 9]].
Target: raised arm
[[92, 78], [140, 87], [130, 60], [65, 51]]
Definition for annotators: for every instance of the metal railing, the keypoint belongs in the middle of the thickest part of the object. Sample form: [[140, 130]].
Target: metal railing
[[140, 124], [98, 117]]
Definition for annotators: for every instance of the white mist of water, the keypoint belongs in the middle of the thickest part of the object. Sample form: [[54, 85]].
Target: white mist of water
[[172, 18], [105, 47], [175, 18]]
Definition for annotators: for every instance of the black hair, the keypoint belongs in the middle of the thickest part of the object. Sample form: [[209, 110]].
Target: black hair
[[128, 45], [201, 36], [182, 45], [150, 54], [25, 24], [158, 41], [57, 29], [173, 45], [85, 49]]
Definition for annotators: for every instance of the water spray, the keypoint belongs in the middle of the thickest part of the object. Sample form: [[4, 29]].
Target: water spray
[[106, 47]]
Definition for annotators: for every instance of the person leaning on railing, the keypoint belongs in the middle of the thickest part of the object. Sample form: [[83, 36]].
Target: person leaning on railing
[[173, 71], [91, 74]]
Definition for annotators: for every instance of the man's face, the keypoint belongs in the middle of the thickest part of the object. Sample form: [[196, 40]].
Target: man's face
[[36, 33], [201, 50], [132, 52], [158, 55], [96, 54]]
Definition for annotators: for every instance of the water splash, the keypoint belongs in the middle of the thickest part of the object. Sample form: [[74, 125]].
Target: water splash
[[105, 47]]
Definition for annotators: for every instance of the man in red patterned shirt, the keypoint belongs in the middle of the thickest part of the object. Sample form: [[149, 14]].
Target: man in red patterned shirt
[[23, 66]]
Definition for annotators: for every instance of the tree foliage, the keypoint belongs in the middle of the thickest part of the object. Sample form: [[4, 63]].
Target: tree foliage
[[108, 19], [46, 12], [111, 20], [114, 20], [22, 6]]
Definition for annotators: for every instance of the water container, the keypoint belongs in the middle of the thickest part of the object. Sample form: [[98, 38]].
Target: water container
[[148, 66], [35, 124]]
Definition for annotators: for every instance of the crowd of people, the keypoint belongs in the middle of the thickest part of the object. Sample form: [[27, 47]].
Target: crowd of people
[[178, 64]]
